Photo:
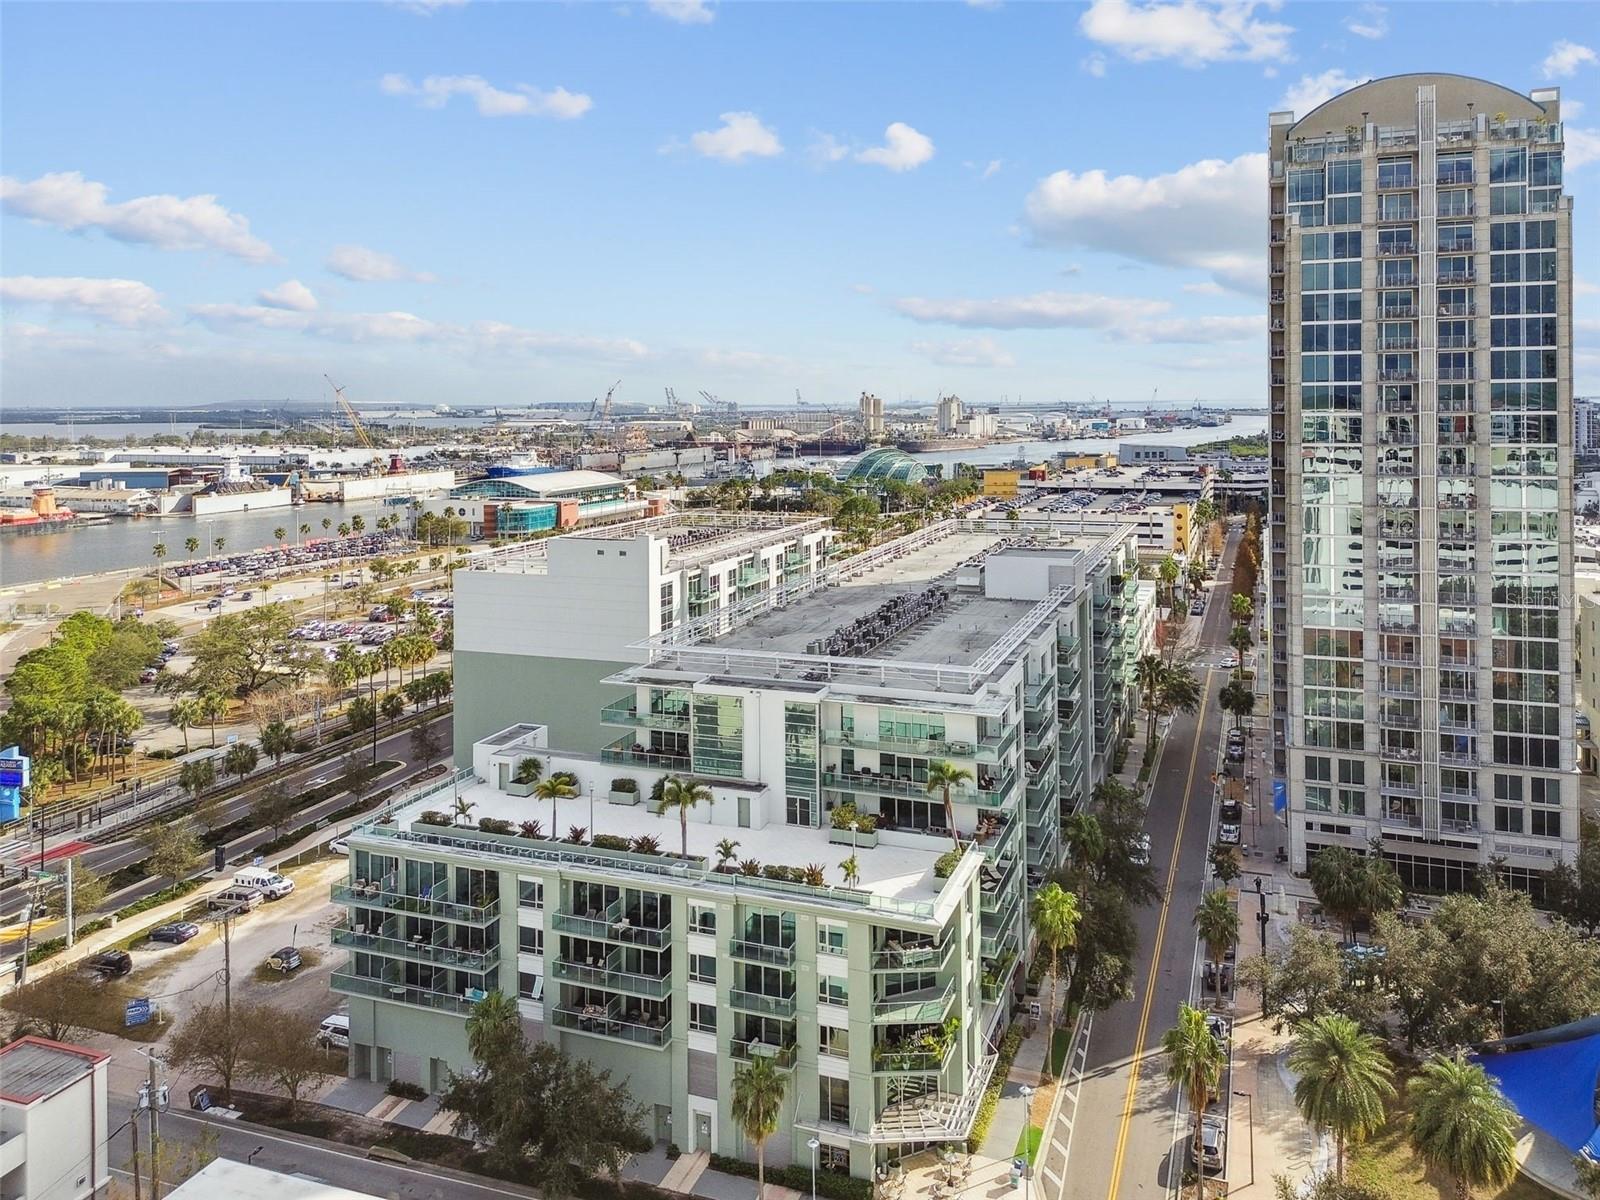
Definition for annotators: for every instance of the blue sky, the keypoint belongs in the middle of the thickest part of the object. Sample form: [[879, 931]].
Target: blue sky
[[519, 203]]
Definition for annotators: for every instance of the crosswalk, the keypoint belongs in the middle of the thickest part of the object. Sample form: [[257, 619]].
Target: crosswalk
[[1056, 1153]]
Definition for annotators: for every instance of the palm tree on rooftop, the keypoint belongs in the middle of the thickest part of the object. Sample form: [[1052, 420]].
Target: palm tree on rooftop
[[942, 776], [553, 789], [683, 795]]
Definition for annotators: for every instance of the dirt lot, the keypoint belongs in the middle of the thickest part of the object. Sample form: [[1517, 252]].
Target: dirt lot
[[181, 978]]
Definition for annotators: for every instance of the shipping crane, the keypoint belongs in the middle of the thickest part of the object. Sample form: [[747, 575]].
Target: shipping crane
[[349, 412]]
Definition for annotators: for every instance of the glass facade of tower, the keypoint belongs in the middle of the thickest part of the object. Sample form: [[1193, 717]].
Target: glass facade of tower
[[1420, 381]]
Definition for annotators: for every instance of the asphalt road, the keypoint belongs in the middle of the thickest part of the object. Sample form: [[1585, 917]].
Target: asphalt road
[[113, 857], [1128, 1141], [346, 1168]]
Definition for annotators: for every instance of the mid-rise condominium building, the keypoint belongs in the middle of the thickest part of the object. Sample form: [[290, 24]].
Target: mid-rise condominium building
[[831, 910], [1421, 478]]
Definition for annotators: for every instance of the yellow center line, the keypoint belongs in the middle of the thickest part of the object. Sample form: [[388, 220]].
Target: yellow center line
[[1155, 957]]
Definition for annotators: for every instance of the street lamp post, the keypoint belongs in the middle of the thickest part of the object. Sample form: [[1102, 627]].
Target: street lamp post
[[812, 1144], [374, 690]]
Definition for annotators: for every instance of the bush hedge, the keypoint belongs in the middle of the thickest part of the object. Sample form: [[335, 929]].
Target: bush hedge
[[407, 1090], [1010, 1043], [829, 1183], [182, 888]]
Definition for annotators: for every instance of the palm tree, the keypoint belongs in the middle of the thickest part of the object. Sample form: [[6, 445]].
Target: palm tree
[[682, 794], [327, 524], [240, 759], [1460, 1123], [219, 543], [727, 851], [276, 740], [1216, 920], [1147, 673], [1345, 1078], [186, 713], [1238, 699], [851, 870], [192, 545], [1194, 1063], [492, 1027], [279, 534], [1085, 840], [553, 788], [942, 776], [758, 1091], [1241, 608], [213, 707], [1055, 920], [158, 552]]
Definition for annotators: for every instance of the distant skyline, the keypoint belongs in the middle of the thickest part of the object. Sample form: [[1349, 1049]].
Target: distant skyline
[[447, 202]]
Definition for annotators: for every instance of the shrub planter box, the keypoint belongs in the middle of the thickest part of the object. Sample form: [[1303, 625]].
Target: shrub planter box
[[514, 788], [844, 837], [617, 797]]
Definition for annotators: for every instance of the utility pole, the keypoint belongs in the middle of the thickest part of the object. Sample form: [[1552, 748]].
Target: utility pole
[[154, 1110], [133, 1129]]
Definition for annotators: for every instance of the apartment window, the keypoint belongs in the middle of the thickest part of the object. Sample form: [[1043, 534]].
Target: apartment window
[[1507, 819], [831, 938], [1319, 768], [834, 1158], [1545, 791], [530, 893], [1352, 802], [703, 968], [702, 919], [1344, 177], [703, 1017], [530, 987], [1395, 173], [831, 989], [1319, 798], [668, 609], [1352, 771], [530, 939], [833, 1100], [834, 1042], [1545, 823]]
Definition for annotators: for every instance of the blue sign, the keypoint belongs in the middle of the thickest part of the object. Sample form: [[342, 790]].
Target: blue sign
[[14, 776], [137, 1012], [1280, 795]]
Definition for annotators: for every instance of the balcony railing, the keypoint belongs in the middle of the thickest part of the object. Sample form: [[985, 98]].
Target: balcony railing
[[612, 980], [760, 1002], [414, 949], [754, 1048], [915, 1008], [924, 956], [603, 1024], [400, 993], [890, 1060], [762, 952], [372, 895], [943, 747], [626, 712], [630, 753], [611, 928]]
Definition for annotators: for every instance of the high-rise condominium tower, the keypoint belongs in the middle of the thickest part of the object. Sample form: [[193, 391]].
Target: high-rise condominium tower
[[1420, 521]]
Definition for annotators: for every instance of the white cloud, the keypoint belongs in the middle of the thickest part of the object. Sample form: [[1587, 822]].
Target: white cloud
[[966, 352], [684, 12], [1206, 216], [362, 265], [124, 302], [1042, 310], [68, 201], [1583, 147], [1583, 287], [862, 289], [825, 148], [1194, 32], [1204, 289], [1566, 57], [741, 136], [1094, 64], [1312, 90], [1369, 21], [992, 169], [291, 294], [1119, 318], [403, 328], [524, 101], [903, 149], [746, 360], [1571, 109]]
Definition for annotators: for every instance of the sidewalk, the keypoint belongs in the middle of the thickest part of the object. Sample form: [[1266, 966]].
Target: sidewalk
[[1005, 1130]]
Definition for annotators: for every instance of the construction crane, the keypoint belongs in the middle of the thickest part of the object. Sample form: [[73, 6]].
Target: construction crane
[[350, 414]]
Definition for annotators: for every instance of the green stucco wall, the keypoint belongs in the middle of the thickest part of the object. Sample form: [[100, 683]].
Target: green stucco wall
[[493, 691]]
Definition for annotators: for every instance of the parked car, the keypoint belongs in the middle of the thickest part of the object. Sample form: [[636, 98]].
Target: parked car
[[149, 675], [110, 964], [335, 1032], [287, 959], [1208, 1154], [177, 932], [1228, 834], [236, 897], [1141, 850], [1229, 662], [1235, 751], [1230, 812], [266, 881]]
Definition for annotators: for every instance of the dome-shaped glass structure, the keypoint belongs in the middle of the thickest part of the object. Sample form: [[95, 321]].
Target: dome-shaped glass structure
[[886, 462]]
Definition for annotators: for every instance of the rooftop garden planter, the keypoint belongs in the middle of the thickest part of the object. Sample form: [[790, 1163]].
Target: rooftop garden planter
[[624, 791]]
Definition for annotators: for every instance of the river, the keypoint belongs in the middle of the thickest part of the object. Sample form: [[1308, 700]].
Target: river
[[127, 542]]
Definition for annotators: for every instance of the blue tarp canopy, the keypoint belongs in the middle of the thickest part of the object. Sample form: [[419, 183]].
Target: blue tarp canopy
[[1553, 1087]]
